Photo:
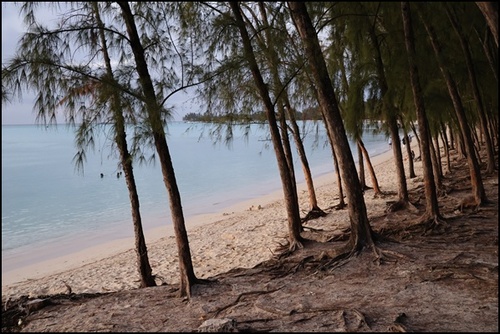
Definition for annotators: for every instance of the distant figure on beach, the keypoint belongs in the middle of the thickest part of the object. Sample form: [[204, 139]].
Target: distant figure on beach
[[118, 175], [390, 142], [102, 175]]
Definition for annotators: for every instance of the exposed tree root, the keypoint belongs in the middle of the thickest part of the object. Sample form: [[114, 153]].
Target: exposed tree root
[[338, 260], [312, 229], [400, 205], [287, 249], [344, 236], [468, 202], [314, 213], [259, 292], [429, 224], [385, 255]]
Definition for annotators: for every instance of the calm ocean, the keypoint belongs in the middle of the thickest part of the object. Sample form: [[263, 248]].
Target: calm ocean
[[45, 201]]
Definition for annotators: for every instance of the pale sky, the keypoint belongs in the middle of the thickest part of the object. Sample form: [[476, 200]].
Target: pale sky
[[22, 112]]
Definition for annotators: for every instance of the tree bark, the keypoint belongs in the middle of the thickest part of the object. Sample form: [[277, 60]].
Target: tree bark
[[490, 12], [432, 208], [490, 169], [144, 267], [475, 172], [292, 207], [376, 188], [187, 276], [361, 232]]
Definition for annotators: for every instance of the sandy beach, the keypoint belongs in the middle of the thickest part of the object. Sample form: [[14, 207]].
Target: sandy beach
[[241, 236]]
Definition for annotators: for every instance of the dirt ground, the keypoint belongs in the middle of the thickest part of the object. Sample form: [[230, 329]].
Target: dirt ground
[[441, 280]]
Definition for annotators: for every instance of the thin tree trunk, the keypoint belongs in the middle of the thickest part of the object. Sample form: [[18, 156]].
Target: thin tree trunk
[[376, 188], [490, 169], [187, 276], [410, 154], [292, 207], [438, 154], [490, 12], [417, 137], [391, 120], [361, 232], [475, 172], [144, 268], [314, 210], [361, 168], [431, 208], [446, 147], [488, 53], [452, 140], [313, 201]]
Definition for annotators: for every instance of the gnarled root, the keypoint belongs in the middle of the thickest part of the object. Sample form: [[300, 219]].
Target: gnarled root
[[287, 249], [400, 205], [314, 213], [429, 224]]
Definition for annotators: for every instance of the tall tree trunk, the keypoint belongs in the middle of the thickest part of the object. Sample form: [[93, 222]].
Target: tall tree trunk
[[376, 189], [362, 179], [292, 207], [452, 140], [490, 169], [409, 153], [438, 154], [391, 120], [342, 204], [361, 232], [431, 208], [398, 156], [488, 52], [475, 172], [144, 268], [187, 276], [314, 210], [490, 12], [417, 137], [444, 138], [435, 157]]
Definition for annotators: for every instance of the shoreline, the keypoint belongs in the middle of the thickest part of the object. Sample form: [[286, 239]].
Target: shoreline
[[212, 238]]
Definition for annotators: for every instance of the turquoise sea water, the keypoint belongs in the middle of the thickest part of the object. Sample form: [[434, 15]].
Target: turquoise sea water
[[45, 201]]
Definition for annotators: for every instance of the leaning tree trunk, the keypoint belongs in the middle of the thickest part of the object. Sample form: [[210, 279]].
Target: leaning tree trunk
[[446, 147], [342, 204], [417, 137], [376, 189], [438, 180], [292, 207], [391, 120], [475, 172], [314, 209], [409, 152], [490, 169], [490, 12], [361, 232], [361, 164], [187, 276], [145, 273], [431, 208]]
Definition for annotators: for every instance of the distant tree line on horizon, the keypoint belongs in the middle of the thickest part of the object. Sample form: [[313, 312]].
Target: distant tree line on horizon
[[309, 114]]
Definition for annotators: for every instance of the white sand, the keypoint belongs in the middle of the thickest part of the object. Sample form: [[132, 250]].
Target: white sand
[[241, 236]]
